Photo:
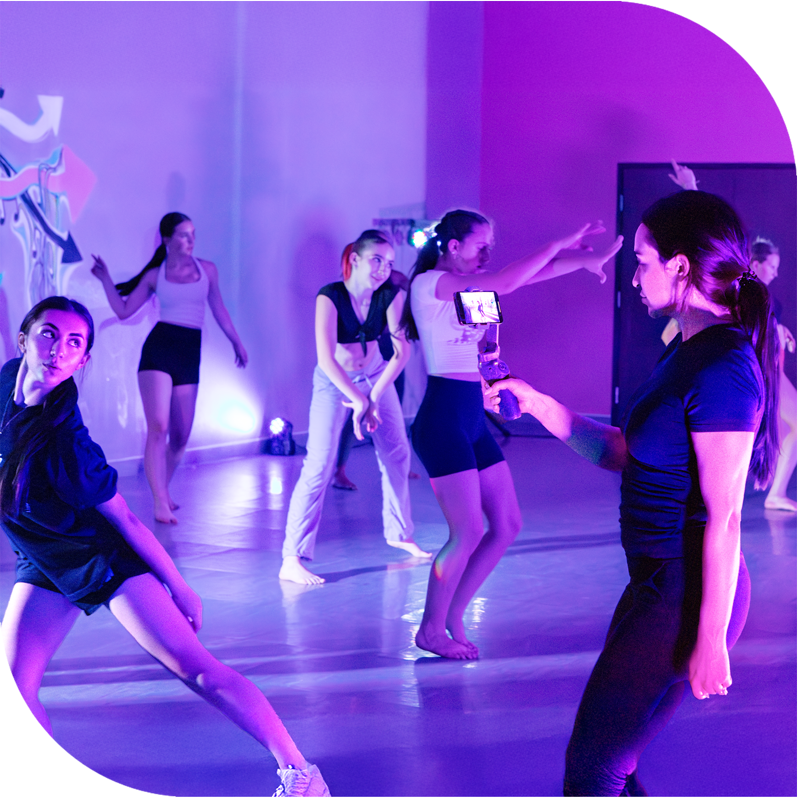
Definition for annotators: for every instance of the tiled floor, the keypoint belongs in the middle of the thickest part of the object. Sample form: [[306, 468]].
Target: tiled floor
[[380, 716]]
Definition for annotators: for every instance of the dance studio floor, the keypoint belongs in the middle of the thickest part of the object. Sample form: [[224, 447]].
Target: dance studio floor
[[381, 717]]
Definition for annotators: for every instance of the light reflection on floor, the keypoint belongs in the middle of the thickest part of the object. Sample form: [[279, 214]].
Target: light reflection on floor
[[339, 662]]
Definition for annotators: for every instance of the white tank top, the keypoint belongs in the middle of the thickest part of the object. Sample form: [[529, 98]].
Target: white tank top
[[447, 345], [182, 303]]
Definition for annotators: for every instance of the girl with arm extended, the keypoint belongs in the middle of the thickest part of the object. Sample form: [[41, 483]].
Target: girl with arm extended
[[169, 369], [80, 547], [467, 470], [351, 374], [687, 439]]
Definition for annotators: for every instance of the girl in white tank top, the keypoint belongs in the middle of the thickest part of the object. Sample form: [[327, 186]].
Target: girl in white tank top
[[465, 464], [169, 369]]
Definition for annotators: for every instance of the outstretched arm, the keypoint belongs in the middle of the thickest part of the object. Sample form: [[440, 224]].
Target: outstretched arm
[[550, 262], [151, 551], [221, 314], [603, 445], [723, 459], [124, 307]]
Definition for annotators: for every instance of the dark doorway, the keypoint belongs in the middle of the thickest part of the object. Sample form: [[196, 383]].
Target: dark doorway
[[764, 195]]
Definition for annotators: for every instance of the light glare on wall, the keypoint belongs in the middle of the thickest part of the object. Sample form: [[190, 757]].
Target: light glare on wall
[[237, 417]]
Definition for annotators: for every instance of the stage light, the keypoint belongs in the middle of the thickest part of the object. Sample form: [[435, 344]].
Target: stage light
[[280, 442], [275, 486], [420, 231]]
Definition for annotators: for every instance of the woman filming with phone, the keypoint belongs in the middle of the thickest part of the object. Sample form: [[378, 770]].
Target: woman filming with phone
[[465, 464], [688, 438]]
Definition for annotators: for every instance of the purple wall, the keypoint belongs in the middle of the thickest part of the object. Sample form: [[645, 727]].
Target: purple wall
[[283, 134], [282, 129], [570, 90]]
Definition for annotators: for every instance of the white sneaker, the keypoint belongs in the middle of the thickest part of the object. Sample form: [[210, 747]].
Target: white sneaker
[[301, 783]]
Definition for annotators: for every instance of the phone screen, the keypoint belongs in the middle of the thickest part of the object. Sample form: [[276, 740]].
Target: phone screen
[[474, 308]]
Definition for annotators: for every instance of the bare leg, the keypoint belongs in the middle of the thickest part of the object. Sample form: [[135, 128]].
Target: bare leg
[[499, 502], [787, 458], [459, 498], [156, 390], [35, 623], [148, 613], [181, 417]]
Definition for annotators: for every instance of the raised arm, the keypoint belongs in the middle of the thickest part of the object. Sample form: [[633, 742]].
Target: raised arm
[[151, 551], [124, 307], [552, 261], [722, 463], [603, 445], [221, 315]]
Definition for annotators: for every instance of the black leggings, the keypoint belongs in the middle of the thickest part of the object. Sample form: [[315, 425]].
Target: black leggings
[[641, 675]]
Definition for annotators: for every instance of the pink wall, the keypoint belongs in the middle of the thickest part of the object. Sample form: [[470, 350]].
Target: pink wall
[[570, 90]]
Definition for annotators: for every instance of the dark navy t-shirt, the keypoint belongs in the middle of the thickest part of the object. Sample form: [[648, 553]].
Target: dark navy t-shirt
[[58, 527], [712, 382]]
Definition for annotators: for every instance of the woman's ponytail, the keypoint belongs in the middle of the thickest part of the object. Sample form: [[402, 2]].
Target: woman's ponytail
[[126, 287], [166, 229], [753, 311]]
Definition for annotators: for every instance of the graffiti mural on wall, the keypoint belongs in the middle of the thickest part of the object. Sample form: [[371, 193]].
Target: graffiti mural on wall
[[41, 199]]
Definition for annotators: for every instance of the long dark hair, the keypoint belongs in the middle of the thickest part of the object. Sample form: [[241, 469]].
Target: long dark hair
[[371, 236], [456, 225], [15, 467], [166, 228], [705, 229]]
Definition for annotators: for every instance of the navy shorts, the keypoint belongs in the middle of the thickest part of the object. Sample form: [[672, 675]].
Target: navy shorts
[[449, 433], [28, 572], [173, 349]]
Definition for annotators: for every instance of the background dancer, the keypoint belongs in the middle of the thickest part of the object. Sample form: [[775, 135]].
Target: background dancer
[[466, 467], [169, 369], [347, 439], [80, 547], [765, 258], [351, 373], [688, 436]]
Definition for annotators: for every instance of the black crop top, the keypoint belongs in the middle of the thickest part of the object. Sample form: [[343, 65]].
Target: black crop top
[[348, 329]]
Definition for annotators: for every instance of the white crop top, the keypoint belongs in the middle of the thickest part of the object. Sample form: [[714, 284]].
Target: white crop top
[[182, 303], [447, 345]]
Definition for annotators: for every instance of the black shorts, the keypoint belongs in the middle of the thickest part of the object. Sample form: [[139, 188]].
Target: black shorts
[[28, 572], [173, 349], [449, 433]]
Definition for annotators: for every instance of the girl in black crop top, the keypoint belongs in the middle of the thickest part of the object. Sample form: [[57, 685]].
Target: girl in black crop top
[[351, 374]]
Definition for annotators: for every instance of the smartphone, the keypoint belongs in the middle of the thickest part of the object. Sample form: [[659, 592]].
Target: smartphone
[[474, 308]]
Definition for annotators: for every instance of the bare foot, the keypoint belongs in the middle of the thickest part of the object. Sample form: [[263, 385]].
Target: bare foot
[[163, 513], [413, 475], [173, 506], [443, 645], [293, 570], [341, 481], [781, 504], [410, 547], [459, 634]]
